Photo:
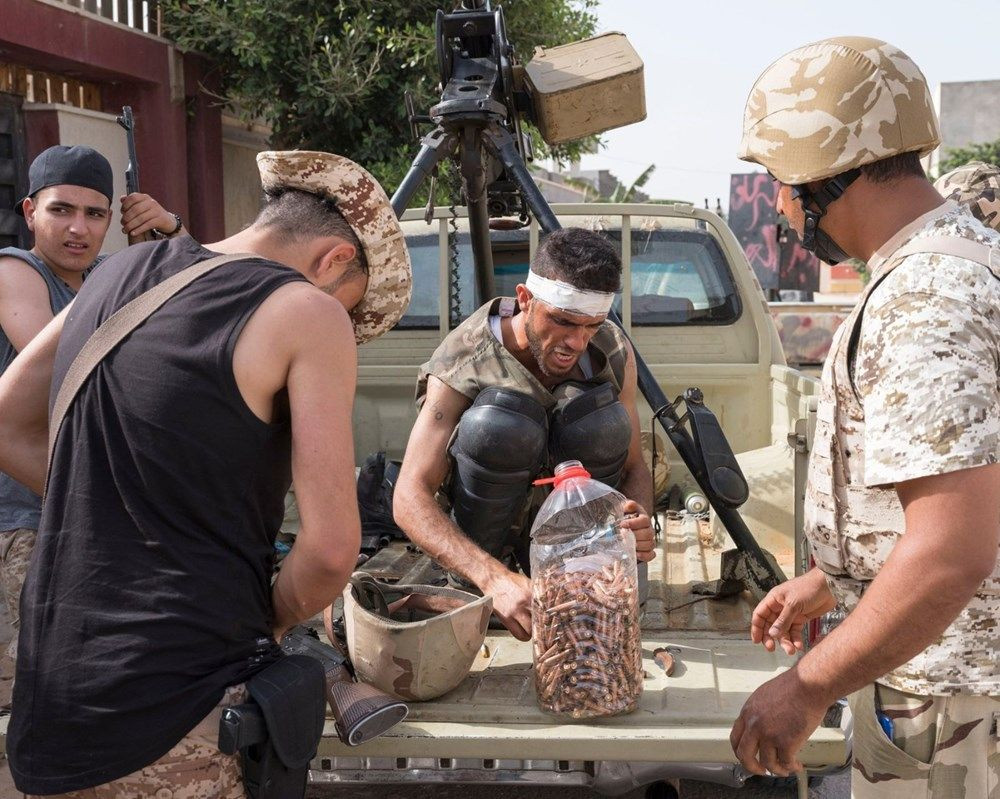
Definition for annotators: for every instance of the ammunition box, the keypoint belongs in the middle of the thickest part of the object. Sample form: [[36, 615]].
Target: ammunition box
[[586, 87]]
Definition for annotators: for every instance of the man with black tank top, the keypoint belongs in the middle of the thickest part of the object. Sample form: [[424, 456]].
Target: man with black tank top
[[68, 210], [148, 602]]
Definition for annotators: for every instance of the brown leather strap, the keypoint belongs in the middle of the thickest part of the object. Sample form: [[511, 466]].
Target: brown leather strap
[[114, 330]]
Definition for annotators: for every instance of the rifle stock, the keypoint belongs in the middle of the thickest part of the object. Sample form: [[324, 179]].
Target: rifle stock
[[361, 711], [127, 121]]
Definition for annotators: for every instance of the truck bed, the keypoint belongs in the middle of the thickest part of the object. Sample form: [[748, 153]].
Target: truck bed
[[685, 717], [492, 717]]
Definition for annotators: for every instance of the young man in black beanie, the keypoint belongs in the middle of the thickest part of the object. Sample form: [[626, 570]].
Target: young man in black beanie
[[68, 209]]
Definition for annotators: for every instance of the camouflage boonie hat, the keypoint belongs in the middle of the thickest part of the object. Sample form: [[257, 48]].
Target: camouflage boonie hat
[[366, 208], [975, 186], [415, 642], [835, 105]]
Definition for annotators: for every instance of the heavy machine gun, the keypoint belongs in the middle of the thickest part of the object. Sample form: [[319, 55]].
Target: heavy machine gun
[[478, 126]]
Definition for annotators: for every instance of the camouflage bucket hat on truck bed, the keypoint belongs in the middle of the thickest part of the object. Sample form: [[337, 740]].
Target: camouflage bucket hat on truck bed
[[834, 105], [366, 208]]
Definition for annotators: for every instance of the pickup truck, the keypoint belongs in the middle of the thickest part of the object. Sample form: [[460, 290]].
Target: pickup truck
[[697, 314]]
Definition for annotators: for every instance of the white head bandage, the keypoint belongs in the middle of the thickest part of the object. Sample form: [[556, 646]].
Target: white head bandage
[[569, 298]]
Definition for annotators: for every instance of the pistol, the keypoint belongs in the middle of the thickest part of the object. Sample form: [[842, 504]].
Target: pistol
[[127, 121], [361, 711]]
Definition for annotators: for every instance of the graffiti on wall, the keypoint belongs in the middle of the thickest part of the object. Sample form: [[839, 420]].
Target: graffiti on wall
[[777, 258]]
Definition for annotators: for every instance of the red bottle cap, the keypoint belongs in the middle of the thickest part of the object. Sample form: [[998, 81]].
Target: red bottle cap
[[564, 474]]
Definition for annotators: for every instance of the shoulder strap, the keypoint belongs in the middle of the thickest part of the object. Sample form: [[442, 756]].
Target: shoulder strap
[[115, 329], [967, 249]]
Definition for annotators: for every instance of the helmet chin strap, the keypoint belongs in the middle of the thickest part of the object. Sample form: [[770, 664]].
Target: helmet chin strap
[[814, 239]]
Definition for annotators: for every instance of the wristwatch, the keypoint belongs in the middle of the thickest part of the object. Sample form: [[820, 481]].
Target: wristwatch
[[174, 232]]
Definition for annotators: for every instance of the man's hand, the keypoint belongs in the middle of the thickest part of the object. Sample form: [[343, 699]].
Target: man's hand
[[638, 522], [141, 213], [774, 723], [781, 615], [511, 594]]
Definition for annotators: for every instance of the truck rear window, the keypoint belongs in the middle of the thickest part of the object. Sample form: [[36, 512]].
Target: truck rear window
[[679, 277]]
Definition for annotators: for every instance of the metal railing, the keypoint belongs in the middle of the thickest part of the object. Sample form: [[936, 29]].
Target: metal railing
[[143, 15]]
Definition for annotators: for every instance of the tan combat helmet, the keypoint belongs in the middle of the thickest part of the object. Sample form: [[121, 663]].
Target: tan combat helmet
[[415, 642], [366, 208], [835, 105], [975, 186]]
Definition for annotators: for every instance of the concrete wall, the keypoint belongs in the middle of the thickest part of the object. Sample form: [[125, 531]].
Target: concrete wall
[[78, 126], [969, 112], [240, 178]]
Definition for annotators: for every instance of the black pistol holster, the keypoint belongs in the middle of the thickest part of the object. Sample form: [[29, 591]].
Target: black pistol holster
[[278, 731]]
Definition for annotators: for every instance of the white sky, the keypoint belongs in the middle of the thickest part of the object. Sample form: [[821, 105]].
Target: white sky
[[701, 58]]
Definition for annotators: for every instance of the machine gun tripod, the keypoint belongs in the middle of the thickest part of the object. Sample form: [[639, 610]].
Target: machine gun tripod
[[477, 126]]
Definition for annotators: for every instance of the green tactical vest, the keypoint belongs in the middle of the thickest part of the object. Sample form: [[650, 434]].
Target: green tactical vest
[[471, 359]]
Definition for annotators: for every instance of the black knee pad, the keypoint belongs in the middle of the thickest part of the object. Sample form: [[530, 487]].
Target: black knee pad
[[499, 449], [591, 425]]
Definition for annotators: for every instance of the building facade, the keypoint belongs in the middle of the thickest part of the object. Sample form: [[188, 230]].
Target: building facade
[[66, 70]]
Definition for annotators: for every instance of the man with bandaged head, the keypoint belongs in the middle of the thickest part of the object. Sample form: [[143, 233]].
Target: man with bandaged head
[[522, 384]]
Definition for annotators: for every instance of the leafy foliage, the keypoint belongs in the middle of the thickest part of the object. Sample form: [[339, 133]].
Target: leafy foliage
[[330, 74], [987, 152]]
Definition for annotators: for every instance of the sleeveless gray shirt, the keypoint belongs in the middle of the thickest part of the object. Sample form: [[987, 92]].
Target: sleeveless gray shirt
[[19, 506]]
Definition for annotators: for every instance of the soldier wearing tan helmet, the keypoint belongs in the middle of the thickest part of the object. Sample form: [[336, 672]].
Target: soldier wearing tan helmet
[[904, 481], [149, 600]]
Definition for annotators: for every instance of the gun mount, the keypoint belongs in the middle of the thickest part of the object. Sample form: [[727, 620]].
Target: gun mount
[[484, 94]]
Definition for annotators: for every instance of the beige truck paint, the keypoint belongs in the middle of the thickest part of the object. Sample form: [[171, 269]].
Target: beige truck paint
[[489, 728], [763, 406]]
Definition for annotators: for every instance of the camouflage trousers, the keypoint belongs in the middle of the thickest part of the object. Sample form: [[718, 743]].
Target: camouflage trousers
[[193, 769], [15, 553], [943, 747]]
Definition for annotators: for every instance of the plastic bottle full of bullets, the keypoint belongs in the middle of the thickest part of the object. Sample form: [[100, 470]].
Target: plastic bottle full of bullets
[[585, 609]]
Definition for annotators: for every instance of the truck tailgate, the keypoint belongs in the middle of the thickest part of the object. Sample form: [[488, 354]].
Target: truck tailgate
[[685, 717], [682, 718]]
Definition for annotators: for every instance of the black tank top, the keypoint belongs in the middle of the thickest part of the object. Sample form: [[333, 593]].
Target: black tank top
[[149, 589]]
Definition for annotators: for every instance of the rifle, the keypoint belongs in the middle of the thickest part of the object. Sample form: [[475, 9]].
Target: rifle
[[360, 711], [127, 121], [279, 728]]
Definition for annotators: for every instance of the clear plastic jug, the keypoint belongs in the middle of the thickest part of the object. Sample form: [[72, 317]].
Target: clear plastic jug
[[585, 600]]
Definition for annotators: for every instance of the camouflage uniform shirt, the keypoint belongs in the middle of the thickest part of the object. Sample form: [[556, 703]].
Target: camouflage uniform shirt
[[922, 398]]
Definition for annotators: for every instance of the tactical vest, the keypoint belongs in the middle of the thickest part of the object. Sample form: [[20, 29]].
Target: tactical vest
[[852, 528], [471, 359]]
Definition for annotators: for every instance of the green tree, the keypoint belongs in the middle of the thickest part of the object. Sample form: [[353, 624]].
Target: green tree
[[330, 74], [987, 152]]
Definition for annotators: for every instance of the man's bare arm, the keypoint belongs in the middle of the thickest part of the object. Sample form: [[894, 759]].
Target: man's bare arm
[[425, 466], [24, 407], [24, 302], [949, 548], [637, 483], [321, 374], [934, 569]]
